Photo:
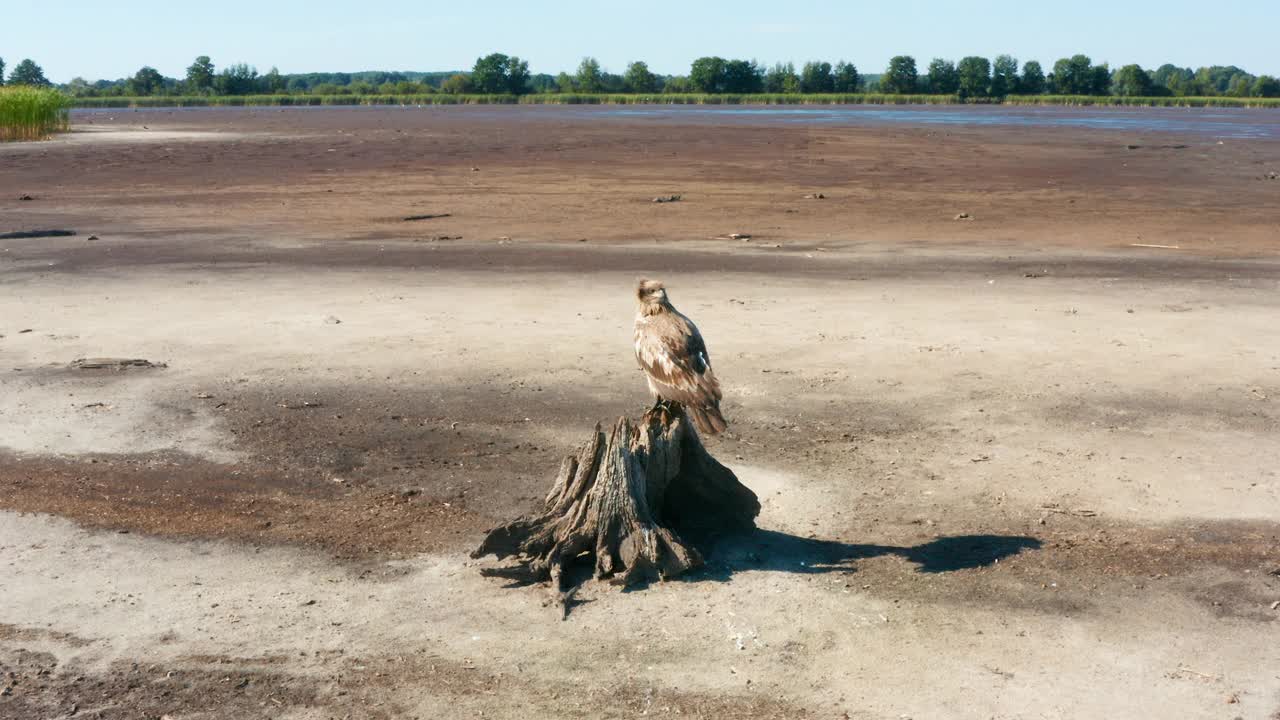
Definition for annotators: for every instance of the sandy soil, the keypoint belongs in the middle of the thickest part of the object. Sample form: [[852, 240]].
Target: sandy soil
[[1010, 467]]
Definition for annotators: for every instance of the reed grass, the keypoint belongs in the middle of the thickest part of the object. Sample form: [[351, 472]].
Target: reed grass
[[662, 99], [28, 113], [1116, 101], [751, 99], [536, 99]]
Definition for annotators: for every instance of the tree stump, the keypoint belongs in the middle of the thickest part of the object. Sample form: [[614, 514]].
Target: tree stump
[[623, 498]]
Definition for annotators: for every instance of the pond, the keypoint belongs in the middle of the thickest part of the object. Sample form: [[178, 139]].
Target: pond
[[1217, 123]]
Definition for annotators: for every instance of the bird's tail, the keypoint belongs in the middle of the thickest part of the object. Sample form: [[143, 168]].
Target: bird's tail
[[707, 419]]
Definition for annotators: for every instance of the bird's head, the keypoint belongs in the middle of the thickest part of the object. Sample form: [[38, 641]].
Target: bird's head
[[651, 293]]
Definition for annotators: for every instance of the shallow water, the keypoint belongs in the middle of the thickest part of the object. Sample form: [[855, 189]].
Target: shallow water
[[1204, 122], [1213, 122]]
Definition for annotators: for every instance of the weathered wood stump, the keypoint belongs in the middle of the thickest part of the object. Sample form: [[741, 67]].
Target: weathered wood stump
[[623, 498]]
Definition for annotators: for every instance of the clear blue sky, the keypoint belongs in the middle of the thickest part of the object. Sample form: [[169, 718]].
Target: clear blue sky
[[113, 38]]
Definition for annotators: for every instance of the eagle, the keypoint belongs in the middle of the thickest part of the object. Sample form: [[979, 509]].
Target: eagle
[[674, 358]]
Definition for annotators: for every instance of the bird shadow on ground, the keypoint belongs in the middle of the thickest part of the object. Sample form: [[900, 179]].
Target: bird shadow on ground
[[770, 550], [773, 551]]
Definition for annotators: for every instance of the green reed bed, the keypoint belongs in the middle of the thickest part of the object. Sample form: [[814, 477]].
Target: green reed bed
[[28, 113], [1115, 101], [662, 99], [753, 99], [538, 99], [289, 100]]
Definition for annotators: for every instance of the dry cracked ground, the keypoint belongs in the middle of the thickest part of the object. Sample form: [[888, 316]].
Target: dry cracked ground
[[1010, 467]]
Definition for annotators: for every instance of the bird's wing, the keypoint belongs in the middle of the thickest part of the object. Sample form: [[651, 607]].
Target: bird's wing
[[671, 351]]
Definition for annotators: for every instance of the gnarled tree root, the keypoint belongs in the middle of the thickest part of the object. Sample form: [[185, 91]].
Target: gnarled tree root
[[622, 498]]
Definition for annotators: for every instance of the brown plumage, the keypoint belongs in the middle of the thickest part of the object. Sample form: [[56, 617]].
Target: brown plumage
[[674, 358]]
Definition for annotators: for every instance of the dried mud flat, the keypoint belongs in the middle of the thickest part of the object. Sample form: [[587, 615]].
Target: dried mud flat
[[1010, 467]]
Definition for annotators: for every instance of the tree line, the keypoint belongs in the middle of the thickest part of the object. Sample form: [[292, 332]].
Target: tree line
[[971, 78], [25, 73]]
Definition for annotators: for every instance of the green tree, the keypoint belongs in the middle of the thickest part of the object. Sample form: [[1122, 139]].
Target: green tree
[[495, 74], [1078, 75], [589, 79], [943, 78], [677, 84], [1004, 76], [1266, 86], [28, 73], [1171, 76], [79, 87], [147, 81], [1100, 80], [200, 76], [1032, 82], [743, 77], [1240, 86], [458, 84], [1218, 79], [1, 71], [273, 82], [238, 79], [975, 76], [816, 77], [1073, 76], [706, 75], [782, 78], [1201, 83], [638, 79], [846, 79], [614, 83], [541, 83], [1180, 86], [901, 77], [407, 87], [1132, 81], [517, 76], [489, 75]]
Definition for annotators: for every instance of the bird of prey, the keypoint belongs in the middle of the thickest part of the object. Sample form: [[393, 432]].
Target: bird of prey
[[670, 350]]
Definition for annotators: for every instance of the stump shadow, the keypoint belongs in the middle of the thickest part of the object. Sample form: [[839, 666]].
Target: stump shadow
[[771, 550]]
